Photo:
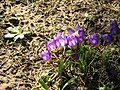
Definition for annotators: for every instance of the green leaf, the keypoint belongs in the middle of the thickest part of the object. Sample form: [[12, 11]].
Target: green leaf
[[61, 66], [42, 83], [9, 28], [69, 82], [101, 88], [69, 51], [21, 36], [13, 30], [9, 35], [17, 29], [105, 58]]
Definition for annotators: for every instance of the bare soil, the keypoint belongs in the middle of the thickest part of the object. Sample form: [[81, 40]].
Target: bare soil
[[20, 62]]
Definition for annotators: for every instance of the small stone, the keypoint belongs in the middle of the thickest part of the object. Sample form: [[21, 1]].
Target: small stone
[[36, 43], [32, 58], [112, 49]]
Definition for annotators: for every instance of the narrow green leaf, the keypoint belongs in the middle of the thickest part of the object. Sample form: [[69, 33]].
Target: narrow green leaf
[[61, 66], [42, 83], [105, 58], [69, 82], [19, 29]]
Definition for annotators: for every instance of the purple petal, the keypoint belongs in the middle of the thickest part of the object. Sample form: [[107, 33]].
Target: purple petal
[[51, 45], [58, 44], [78, 27], [107, 37], [79, 31], [46, 55], [70, 31], [80, 39], [114, 29], [93, 39], [94, 36], [61, 41], [58, 35], [94, 42], [72, 40]]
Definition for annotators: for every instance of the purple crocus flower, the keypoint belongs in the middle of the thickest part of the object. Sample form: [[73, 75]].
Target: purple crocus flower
[[107, 37], [93, 39], [79, 33], [51, 45], [72, 41], [61, 41], [46, 55], [114, 29]]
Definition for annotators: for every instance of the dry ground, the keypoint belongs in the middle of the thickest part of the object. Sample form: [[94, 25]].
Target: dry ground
[[20, 62]]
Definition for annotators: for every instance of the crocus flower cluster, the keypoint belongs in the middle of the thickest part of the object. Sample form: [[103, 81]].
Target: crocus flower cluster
[[60, 41]]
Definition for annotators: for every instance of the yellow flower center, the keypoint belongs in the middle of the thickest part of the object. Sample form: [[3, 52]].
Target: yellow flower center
[[74, 47], [76, 34], [49, 61], [54, 50]]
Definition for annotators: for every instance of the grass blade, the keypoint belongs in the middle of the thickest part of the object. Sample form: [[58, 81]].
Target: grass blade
[[42, 83], [69, 82]]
